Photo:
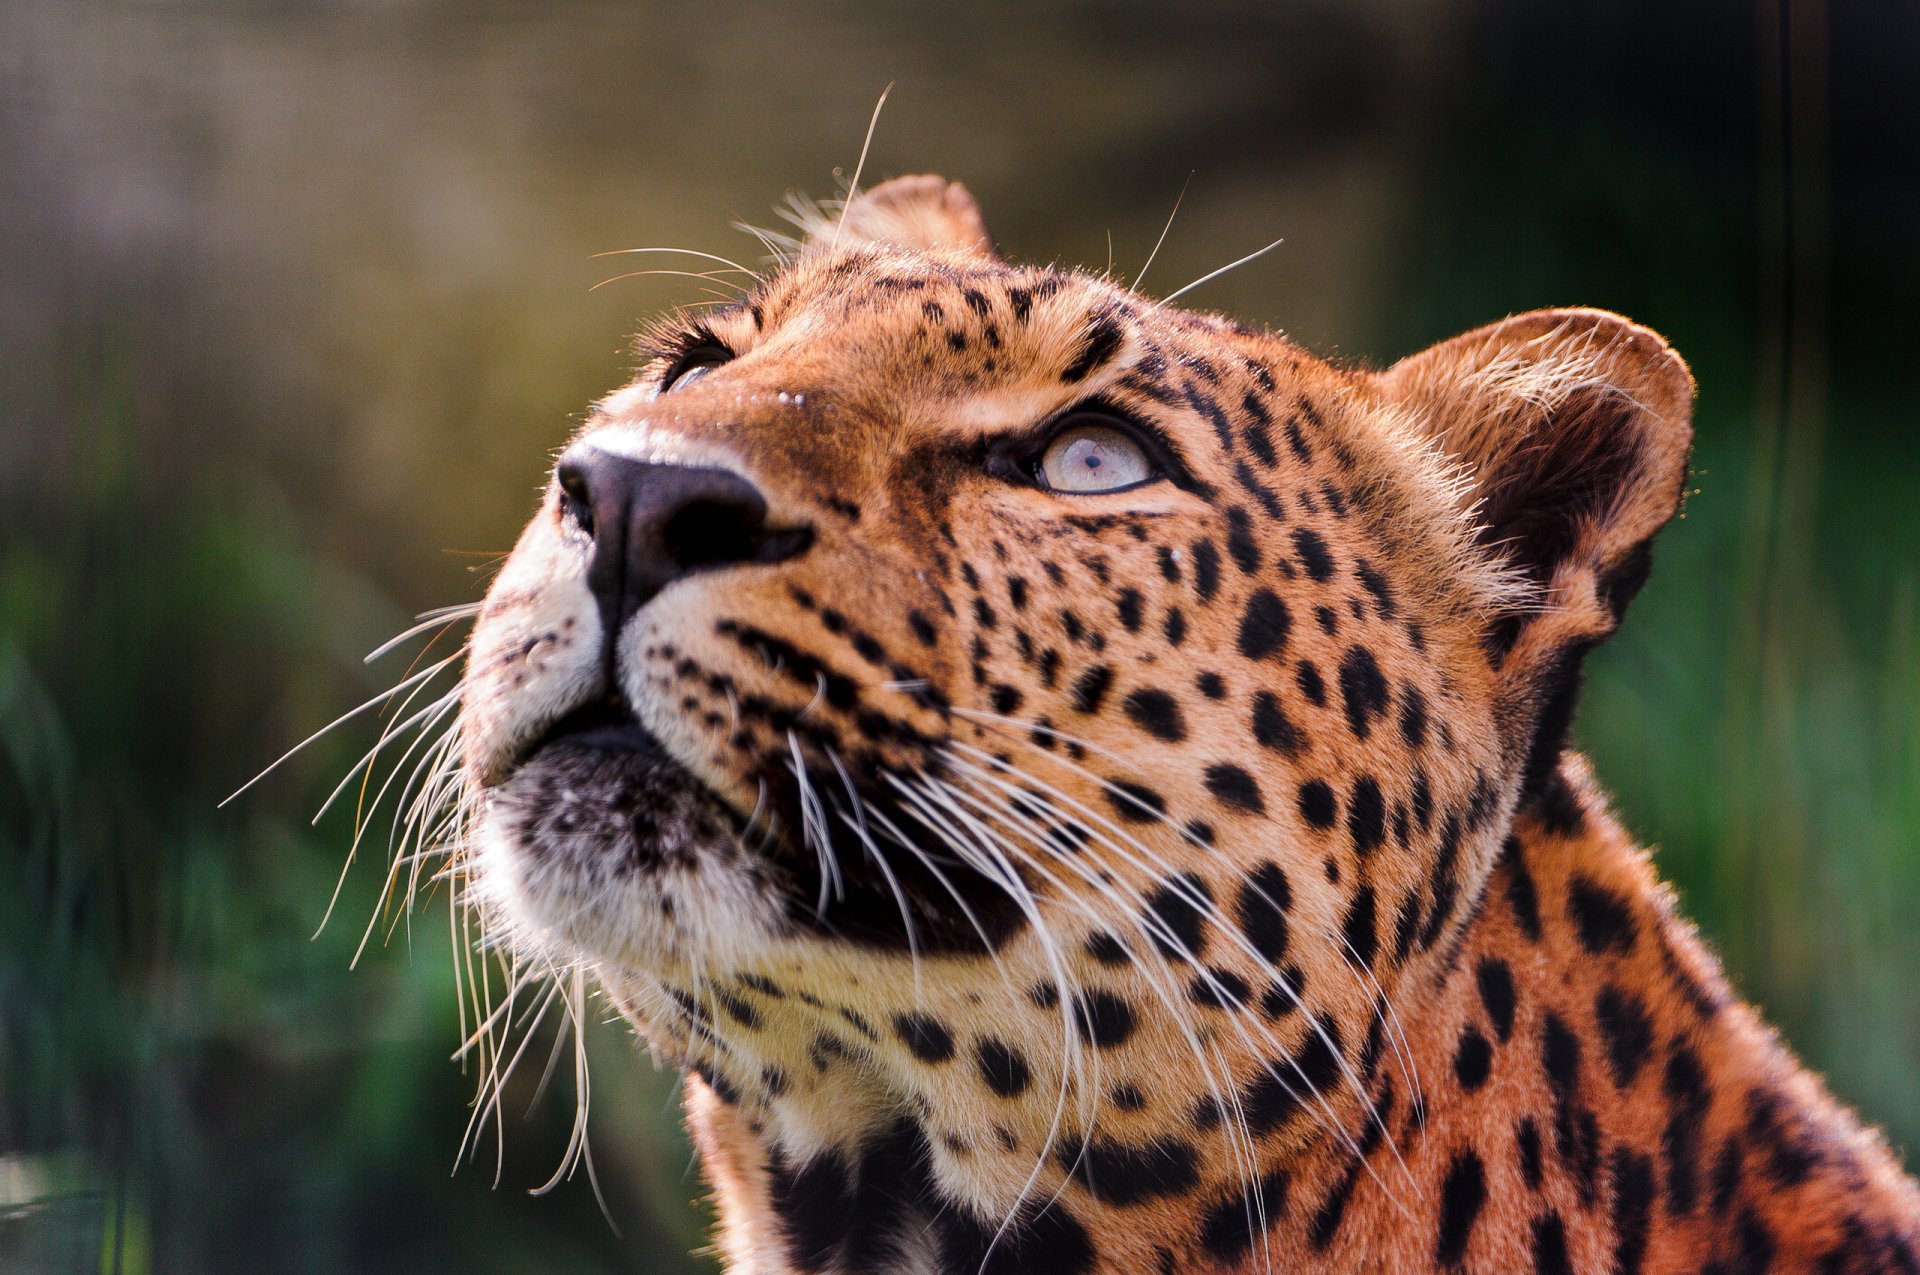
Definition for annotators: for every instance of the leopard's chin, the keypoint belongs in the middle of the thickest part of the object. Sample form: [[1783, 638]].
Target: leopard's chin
[[600, 845]]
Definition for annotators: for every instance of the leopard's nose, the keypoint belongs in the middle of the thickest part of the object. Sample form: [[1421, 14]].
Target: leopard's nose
[[653, 522]]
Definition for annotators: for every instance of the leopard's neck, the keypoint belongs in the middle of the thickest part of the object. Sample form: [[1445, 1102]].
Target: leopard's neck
[[1576, 1088]]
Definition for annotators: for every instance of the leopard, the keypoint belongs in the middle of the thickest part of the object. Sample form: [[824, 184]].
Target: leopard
[[1078, 784]]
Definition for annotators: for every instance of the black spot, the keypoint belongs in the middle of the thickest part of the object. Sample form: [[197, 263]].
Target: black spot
[[1472, 1059], [1127, 1097], [1121, 1174], [1272, 728], [1157, 713], [922, 627], [1106, 949], [1264, 625], [1625, 1030], [1521, 896], [1550, 1246], [1313, 554], [1363, 689], [1308, 678], [1241, 545], [1684, 1085], [1136, 803], [1604, 919], [1229, 1226], [1210, 685], [814, 1203], [1050, 1240], [1461, 1197], [1002, 1068], [1359, 926], [1234, 787], [1175, 627], [1262, 904], [1169, 564], [1206, 569], [1317, 804], [1413, 717], [1218, 989], [1495, 978], [1366, 815], [1128, 606], [1632, 1209], [926, 1036], [1006, 699], [1376, 584], [1278, 1092], [1326, 1218], [1101, 343], [1091, 687], [1177, 916], [1526, 1140], [1107, 1020]]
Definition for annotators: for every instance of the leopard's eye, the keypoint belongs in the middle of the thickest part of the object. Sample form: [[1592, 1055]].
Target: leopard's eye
[[693, 365], [1094, 457]]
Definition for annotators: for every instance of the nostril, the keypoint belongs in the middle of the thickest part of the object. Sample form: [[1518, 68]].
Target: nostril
[[576, 497]]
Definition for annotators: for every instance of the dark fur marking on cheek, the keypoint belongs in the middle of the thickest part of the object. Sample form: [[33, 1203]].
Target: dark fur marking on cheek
[[1136, 803], [1120, 1174], [925, 1036], [1241, 545], [1495, 980], [1526, 1142], [1176, 916], [1318, 805], [1206, 570], [1272, 728], [1688, 1099], [1090, 688], [1363, 689], [1603, 918], [1472, 1059], [1050, 1240], [1107, 1020], [1234, 787], [1550, 1246], [1625, 1030], [1632, 1209], [1359, 927], [1521, 895], [1157, 713], [1311, 685], [1280, 1092], [1230, 1225], [1264, 625], [1366, 816], [1128, 607], [1002, 1069], [1262, 904], [1314, 556], [1462, 1195]]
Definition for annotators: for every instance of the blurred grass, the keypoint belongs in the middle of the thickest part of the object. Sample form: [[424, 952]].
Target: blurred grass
[[295, 302]]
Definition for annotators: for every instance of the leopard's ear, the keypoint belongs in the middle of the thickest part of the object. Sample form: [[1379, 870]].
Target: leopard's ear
[[924, 212], [1573, 427]]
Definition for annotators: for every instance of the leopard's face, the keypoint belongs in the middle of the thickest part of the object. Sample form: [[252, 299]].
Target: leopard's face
[[947, 687]]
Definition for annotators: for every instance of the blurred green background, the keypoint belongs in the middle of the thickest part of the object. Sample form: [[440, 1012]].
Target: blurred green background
[[296, 302]]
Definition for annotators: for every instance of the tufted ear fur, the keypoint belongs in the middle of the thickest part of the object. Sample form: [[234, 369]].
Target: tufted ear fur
[[1574, 426], [924, 212]]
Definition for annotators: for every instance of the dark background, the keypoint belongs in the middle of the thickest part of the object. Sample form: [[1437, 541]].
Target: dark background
[[295, 306]]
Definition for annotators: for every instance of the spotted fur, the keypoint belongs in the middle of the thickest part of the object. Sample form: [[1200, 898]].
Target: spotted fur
[[1190, 878]]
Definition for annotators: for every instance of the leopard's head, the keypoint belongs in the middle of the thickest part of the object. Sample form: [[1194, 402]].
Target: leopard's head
[[948, 691]]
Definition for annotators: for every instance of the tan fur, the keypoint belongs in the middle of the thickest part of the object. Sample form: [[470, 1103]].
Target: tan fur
[[1320, 676]]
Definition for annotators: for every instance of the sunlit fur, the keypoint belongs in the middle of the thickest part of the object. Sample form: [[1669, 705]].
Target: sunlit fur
[[1248, 913]]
